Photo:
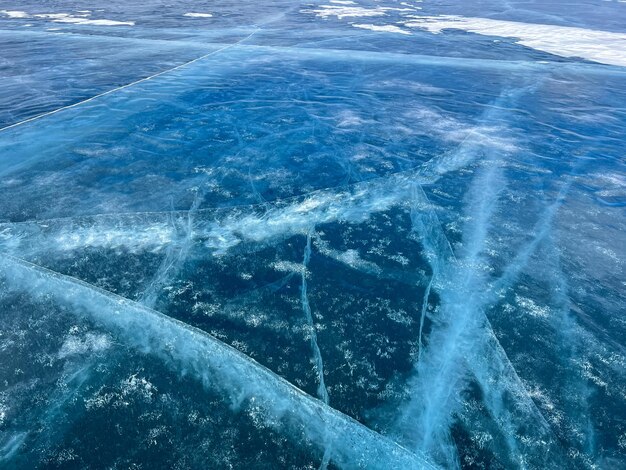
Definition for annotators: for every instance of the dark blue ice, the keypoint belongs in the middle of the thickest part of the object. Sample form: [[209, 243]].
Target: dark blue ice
[[343, 234]]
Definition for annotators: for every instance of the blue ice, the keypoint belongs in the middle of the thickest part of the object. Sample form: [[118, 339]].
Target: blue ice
[[364, 234]]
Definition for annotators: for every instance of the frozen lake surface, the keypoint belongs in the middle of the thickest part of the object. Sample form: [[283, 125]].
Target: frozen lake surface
[[289, 234]]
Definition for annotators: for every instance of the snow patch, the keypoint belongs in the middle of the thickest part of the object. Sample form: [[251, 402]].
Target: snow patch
[[386, 28], [341, 12], [75, 20], [81, 19], [14, 14], [198, 15], [599, 46]]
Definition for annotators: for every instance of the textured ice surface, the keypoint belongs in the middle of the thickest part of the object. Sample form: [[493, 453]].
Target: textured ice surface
[[312, 235]]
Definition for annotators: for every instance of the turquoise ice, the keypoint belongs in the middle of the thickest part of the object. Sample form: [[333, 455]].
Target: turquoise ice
[[343, 234]]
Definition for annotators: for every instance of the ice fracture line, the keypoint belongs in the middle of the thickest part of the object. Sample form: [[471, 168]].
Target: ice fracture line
[[216, 364], [128, 85]]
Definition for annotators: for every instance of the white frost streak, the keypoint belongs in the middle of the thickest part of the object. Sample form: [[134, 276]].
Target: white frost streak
[[474, 348], [599, 46], [462, 341], [155, 232]]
